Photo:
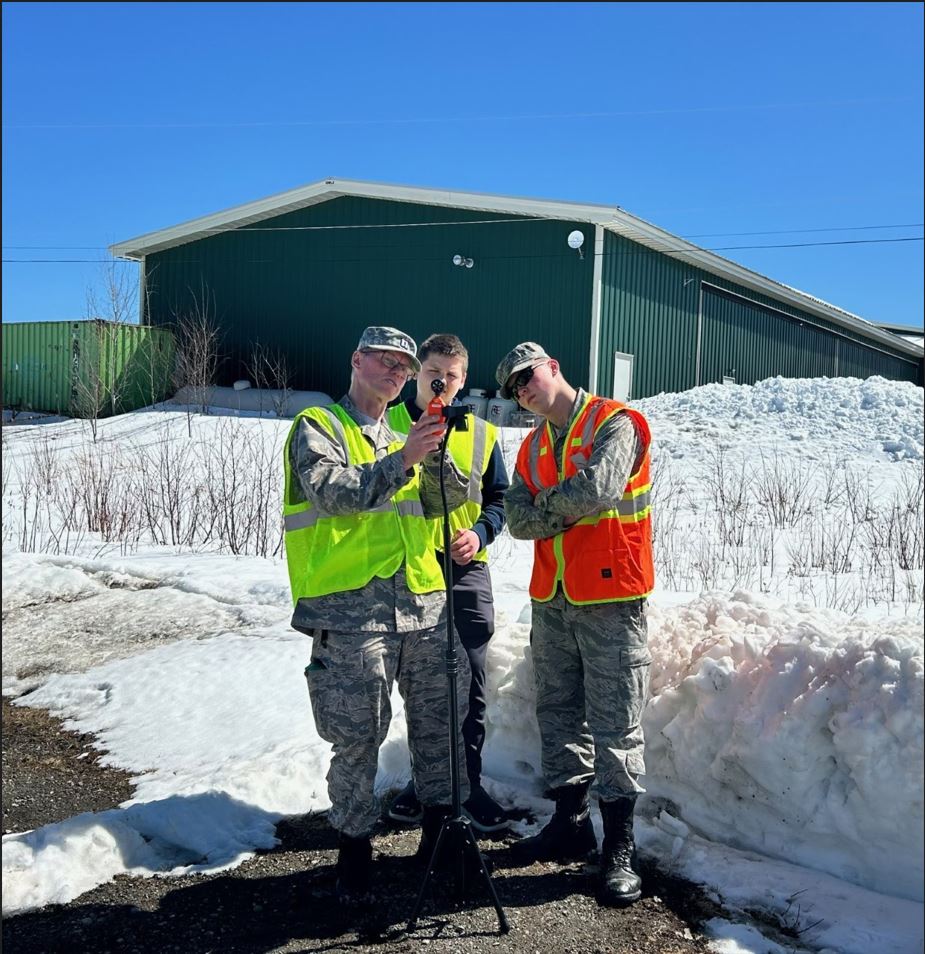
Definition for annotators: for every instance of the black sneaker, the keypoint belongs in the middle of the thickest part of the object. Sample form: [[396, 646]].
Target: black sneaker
[[484, 812], [405, 806]]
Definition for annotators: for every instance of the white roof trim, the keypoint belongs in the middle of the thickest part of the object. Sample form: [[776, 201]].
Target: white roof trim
[[612, 218]]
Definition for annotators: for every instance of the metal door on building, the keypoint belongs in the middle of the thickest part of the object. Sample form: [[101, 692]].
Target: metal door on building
[[622, 376]]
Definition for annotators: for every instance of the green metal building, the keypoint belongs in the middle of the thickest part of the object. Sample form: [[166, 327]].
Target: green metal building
[[631, 312], [90, 368]]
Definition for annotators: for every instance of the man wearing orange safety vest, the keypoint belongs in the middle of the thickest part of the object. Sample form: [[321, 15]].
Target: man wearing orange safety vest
[[581, 493]]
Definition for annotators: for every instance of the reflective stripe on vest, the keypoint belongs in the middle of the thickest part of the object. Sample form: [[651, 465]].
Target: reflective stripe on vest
[[466, 447], [330, 553], [605, 557]]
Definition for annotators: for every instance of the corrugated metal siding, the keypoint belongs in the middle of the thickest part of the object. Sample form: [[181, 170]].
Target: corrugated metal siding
[[750, 343], [119, 367], [648, 310], [311, 292], [77, 367], [650, 306], [37, 365], [857, 361]]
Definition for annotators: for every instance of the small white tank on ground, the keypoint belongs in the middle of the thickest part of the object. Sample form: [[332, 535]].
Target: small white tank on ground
[[500, 411], [476, 402], [283, 403], [523, 419]]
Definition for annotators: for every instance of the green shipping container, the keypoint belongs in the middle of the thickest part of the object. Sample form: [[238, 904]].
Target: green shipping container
[[85, 368]]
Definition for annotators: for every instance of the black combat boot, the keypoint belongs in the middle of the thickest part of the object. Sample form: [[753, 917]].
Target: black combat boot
[[354, 861], [431, 821], [620, 885], [569, 836]]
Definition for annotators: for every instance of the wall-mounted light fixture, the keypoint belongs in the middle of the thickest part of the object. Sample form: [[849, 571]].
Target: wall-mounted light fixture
[[461, 260], [575, 240]]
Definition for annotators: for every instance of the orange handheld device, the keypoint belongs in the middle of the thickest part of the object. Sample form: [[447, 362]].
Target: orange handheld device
[[436, 404]]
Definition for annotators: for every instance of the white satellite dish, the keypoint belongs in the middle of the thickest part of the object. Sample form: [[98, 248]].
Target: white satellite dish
[[576, 239]]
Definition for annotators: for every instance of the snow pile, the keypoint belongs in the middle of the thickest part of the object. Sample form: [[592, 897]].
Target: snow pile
[[794, 733], [834, 418], [798, 734]]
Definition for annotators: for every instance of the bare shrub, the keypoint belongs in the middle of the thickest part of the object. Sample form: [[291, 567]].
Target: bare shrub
[[858, 496], [783, 488], [743, 562], [906, 528], [108, 505], [831, 487], [110, 304], [169, 494], [667, 495], [244, 488], [766, 545], [270, 371], [6, 465], [67, 530], [197, 356], [44, 466], [30, 522], [114, 296], [706, 562], [728, 484], [92, 395]]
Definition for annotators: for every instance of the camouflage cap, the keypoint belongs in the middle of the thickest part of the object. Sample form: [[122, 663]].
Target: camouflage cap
[[524, 355], [382, 338]]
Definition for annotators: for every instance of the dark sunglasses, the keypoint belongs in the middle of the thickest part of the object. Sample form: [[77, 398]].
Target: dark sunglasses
[[522, 379]]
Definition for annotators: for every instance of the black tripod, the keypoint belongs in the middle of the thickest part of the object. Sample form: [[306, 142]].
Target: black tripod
[[456, 827]]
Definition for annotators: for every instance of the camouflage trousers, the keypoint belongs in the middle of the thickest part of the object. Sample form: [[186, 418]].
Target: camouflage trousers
[[591, 665], [350, 681]]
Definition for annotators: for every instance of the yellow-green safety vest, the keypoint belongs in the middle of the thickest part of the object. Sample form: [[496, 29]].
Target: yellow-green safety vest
[[471, 450], [330, 553]]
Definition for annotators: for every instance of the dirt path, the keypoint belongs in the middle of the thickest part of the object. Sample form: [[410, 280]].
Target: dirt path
[[282, 900]]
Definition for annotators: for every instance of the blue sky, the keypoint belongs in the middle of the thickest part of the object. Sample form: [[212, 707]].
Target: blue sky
[[800, 121]]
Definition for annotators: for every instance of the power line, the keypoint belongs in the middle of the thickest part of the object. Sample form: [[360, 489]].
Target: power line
[[617, 114], [310, 228], [835, 228], [667, 251], [911, 238]]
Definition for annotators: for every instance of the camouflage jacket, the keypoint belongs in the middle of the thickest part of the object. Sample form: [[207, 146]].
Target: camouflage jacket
[[320, 466], [599, 485]]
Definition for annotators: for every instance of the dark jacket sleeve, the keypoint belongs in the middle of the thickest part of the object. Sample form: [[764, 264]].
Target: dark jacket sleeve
[[494, 485]]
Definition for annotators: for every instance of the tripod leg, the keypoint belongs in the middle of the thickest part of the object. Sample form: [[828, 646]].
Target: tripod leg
[[412, 923], [457, 819], [502, 920]]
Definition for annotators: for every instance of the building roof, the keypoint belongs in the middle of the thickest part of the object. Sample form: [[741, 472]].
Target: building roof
[[612, 218], [897, 329]]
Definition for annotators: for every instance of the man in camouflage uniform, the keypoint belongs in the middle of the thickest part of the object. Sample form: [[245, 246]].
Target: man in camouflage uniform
[[580, 492], [368, 590]]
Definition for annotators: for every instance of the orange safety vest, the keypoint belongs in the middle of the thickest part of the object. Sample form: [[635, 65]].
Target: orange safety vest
[[605, 557]]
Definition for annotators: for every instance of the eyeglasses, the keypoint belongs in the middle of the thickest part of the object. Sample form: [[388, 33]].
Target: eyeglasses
[[523, 379], [390, 362]]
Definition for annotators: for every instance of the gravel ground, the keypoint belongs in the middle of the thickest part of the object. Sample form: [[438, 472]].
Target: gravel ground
[[282, 900]]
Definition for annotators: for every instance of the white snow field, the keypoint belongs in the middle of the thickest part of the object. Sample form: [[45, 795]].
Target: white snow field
[[145, 601]]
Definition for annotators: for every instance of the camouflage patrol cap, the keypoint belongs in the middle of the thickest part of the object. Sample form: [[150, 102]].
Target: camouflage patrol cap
[[524, 355], [382, 338]]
